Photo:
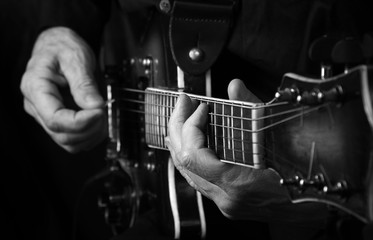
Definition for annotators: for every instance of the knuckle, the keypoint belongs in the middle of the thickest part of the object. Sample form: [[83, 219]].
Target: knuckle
[[25, 82], [53, 124], [184, 159], [85, 83]]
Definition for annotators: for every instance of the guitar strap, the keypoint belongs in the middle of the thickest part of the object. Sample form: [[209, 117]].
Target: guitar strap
[[198, 31]]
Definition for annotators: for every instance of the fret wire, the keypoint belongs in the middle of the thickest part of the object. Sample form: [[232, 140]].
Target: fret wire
[[223, 122], [147, 116], [159, 110], [154, 119], [254, 135], [232, 122], [147, 137], [214, 120], [167, 114], [163, 120], [150, 117], [158, 127], [207, 130], [158, 120], [242, 137]]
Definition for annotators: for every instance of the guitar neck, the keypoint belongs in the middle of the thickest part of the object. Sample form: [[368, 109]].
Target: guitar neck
[[233, 129]]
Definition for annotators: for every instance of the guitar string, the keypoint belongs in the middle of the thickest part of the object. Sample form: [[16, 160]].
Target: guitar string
[[229, 138], [265, 157], [301, 111]]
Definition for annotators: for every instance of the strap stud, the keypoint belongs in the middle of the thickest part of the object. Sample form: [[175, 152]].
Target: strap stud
[[196, 54], [165, 6]]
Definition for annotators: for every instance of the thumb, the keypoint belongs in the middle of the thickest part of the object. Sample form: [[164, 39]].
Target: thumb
[[78, 72], [238, 91], [85, 92]]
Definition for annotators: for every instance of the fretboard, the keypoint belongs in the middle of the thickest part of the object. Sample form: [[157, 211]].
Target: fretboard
[[233, 129]]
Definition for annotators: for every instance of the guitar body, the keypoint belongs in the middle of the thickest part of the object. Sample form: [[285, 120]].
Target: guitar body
[[136, 45]]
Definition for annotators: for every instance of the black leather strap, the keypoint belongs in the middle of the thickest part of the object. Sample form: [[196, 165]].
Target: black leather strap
[[198, 31]]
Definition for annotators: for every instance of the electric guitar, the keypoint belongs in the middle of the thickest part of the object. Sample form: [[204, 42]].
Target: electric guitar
[[317, 135]]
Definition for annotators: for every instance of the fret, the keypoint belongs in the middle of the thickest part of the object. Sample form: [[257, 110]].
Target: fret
[[167, 114], [146, 115], [215, 129], [158, 112], [154, 119], [231, 125], [248, 137], [236, 128], [257, 137], [163, 116], [233, 129], [224, 129], [208, 131], [242, 136]]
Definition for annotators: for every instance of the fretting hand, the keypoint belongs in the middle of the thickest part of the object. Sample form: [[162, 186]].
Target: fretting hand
[[239, 192]]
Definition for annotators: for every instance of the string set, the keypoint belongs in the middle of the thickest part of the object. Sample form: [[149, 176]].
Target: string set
[[165, 106]]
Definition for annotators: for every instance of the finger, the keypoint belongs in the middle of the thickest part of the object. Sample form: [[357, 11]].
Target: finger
[[77, 141], [199, 183], [78, 70], [194, 155], [204, 163], [238, 91], [57, 119], [74, 143], [194, 128], [183, 109], [30, 109], [183, 171]]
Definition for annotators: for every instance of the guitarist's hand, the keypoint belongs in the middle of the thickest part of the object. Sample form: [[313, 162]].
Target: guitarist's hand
[[239, 192], [233, 188], [60, 61]]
